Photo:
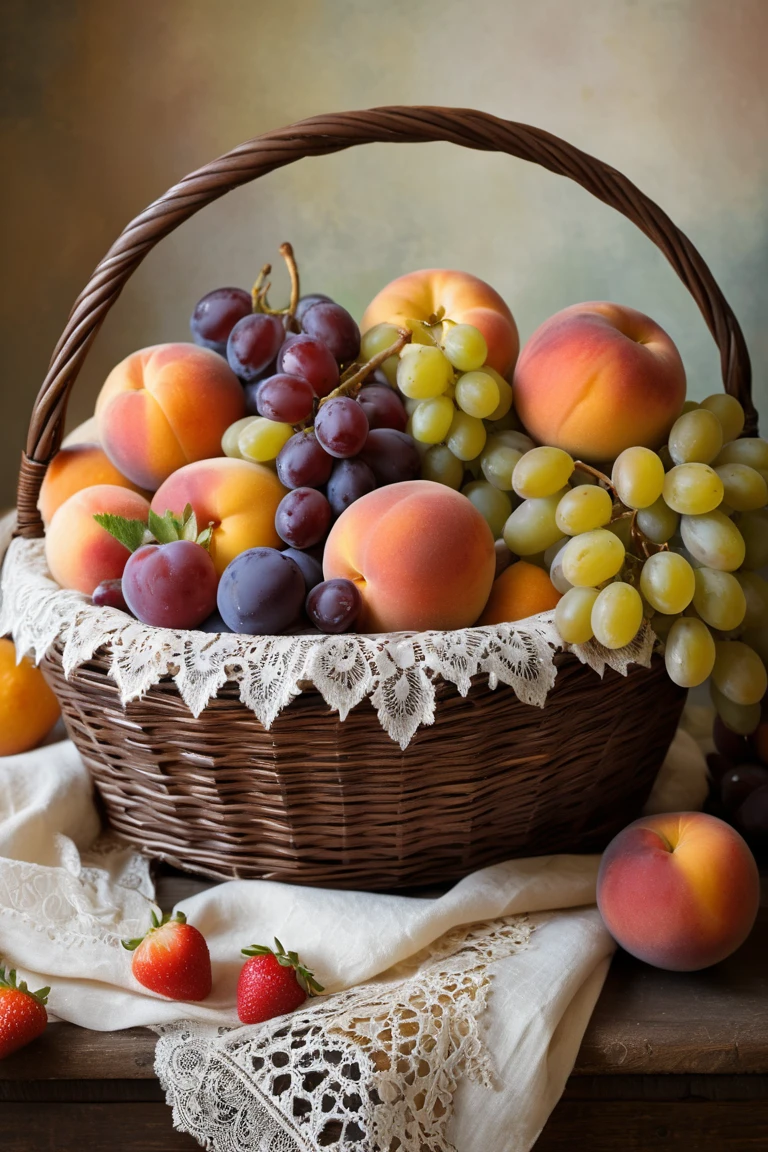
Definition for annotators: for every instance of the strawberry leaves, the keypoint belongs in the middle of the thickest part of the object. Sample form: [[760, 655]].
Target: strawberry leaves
[[8, 983], [164, 529], [304, 977], [158, 921]]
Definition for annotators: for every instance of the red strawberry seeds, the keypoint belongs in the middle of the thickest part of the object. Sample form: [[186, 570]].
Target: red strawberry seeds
[[22, 1013], [172, 959], [272, 983]]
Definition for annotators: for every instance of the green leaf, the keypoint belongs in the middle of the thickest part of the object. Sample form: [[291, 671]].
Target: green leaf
[[130, 533], [131, 945], [189, 524], [205, 537], [164, 528]]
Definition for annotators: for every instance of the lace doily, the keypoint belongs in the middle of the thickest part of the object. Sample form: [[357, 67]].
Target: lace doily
[[373, 1067], [396, 671], [100, 896]]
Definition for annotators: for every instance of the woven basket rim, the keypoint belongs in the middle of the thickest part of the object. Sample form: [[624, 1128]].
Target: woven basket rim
[[397, 671]]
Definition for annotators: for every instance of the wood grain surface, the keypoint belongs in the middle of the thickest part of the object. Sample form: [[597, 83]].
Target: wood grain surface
[[669, 1061]]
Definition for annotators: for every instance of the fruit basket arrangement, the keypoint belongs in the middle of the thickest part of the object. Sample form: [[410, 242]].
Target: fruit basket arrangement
[[301, 584]]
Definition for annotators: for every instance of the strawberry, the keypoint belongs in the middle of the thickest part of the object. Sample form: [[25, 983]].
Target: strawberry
[[22, 1013], [272, 983], [172, 959]]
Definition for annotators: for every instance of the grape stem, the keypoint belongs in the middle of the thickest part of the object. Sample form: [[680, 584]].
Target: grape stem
[[286, 251], [353, 378], [258, 286], [260, 289], [352, 384], [601, 476]]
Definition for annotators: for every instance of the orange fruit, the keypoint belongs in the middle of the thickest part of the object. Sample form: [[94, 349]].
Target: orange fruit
[[28, 707], [520, 591]]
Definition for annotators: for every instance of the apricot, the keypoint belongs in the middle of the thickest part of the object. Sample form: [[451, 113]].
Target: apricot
[[597, 378], [79, 552], [238, 497], [463, 298], [680, 891], [76, 467], [164, 407], [420, 553], [522, 590], [28, 707]]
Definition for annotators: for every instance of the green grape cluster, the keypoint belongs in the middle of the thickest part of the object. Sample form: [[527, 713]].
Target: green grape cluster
[[459, 410], [675, 537]]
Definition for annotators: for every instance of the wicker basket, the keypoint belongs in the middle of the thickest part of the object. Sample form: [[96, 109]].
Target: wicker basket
[[318, 801]]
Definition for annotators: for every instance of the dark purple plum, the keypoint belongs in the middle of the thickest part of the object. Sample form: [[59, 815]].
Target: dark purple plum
[[170, 585], [261, 592], [214, 623]]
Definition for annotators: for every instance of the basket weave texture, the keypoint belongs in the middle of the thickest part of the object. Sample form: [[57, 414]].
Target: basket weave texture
[[315, 800]]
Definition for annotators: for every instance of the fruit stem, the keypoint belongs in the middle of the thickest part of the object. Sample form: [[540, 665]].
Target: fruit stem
[[352, 384], [286, 251], [594, 472], [257, 288]]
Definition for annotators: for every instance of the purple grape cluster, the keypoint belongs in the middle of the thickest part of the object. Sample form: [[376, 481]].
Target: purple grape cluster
[[278, 349], [344, 446], [739, 774]]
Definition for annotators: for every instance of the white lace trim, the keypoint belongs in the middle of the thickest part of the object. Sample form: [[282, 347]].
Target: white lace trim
[[395, 670], [101, 896], [374, 1067]]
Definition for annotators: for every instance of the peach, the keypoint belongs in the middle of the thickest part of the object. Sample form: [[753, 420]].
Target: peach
[[74, 468], [80, 553], [463, 298], [421, 554], [679, 891], [238, 497], [164, 407], [597, 378]]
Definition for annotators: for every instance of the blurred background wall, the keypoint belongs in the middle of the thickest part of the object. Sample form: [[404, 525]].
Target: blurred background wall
[[106, 103]]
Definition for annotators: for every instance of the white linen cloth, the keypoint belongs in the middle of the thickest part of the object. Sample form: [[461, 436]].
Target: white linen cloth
[[448, 1023], [509, 962]]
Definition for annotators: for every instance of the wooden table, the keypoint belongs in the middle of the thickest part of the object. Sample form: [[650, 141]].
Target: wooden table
[[670, 1061]]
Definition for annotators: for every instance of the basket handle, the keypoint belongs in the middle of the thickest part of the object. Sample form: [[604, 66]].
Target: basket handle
[[320, 136]]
